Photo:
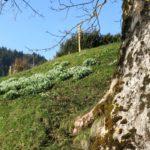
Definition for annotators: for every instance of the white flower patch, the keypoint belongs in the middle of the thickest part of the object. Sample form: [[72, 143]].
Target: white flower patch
[[37, 83], [90, 62], [79, 72]]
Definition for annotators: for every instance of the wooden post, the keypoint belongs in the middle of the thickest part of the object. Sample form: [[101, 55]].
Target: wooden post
[[79, 37], [33, 63], [10, 70]]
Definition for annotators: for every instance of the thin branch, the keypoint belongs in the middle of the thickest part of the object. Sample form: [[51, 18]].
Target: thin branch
[[88, 17], [34, 10], [15, 5], [90, 10]]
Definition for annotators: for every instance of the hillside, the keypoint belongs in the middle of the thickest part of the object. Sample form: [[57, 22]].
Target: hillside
[[43, 119], [8, 58]]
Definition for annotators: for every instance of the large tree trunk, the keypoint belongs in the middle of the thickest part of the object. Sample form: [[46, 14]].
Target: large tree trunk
[[121, 120]]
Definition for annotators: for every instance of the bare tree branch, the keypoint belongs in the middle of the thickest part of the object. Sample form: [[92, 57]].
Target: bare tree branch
[[90, 10], [90, 17], [34, 10], [16, 5]]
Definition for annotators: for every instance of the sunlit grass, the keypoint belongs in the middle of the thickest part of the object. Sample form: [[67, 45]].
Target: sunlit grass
[[45, 120]]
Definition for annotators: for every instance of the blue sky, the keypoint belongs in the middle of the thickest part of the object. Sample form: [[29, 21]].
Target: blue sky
[[28, 30]]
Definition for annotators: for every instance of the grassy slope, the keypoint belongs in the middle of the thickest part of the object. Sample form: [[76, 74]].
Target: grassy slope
[[45, 121]]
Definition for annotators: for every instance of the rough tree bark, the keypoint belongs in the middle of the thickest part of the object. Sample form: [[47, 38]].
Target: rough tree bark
[[121, 120]]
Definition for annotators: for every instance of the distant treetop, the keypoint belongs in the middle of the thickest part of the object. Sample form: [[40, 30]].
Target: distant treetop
[[9, 57]]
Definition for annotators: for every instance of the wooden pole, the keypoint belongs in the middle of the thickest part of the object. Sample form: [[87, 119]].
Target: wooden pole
[[79, 37], [33, 60], [10, 70]]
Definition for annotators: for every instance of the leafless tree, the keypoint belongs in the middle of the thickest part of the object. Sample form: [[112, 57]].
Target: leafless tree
[[90, 10]]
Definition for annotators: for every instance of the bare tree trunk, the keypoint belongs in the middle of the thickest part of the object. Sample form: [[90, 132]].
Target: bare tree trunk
[[121, 120]]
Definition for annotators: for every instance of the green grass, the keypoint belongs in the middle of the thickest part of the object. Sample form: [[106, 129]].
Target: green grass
[[45, 121]]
